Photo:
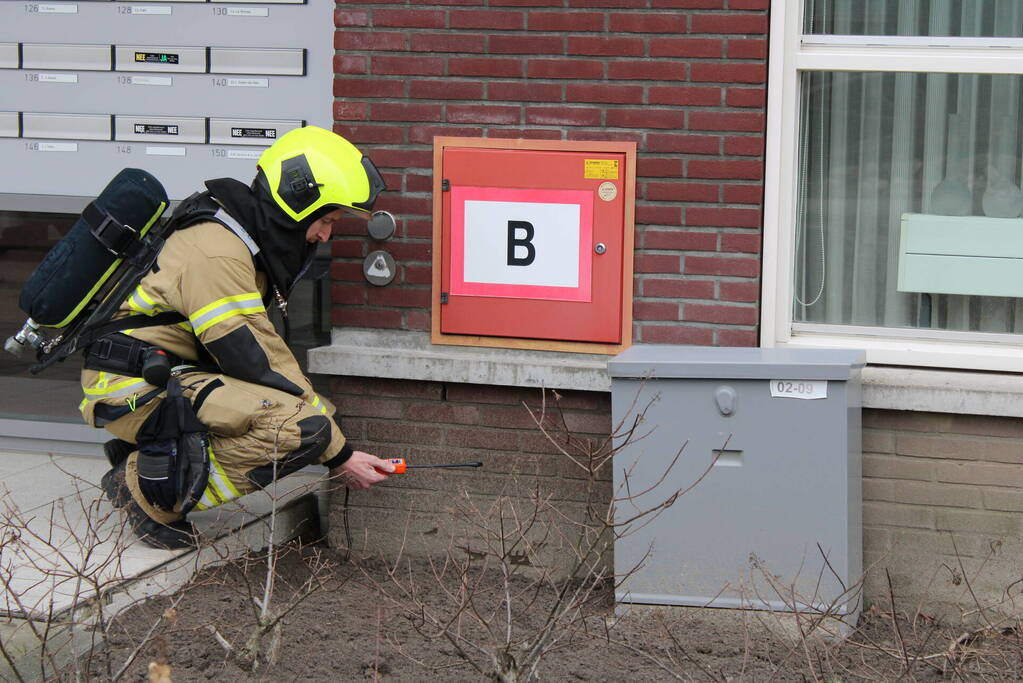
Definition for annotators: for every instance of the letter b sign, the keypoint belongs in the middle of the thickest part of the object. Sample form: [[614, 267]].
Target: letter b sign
[[515, 228]]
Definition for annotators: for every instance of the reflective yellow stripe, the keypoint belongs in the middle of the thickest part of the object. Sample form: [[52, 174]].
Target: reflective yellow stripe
[[225, 308], [218, 478], [104, 389], [145, 297], [219, 488], [128, 389], [316, 402], [206, 502], [141, 302]]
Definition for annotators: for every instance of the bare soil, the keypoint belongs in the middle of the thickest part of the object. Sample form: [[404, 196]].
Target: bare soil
[[353, 628]]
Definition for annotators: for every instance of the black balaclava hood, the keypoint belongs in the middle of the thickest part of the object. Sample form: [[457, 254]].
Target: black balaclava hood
[[284, 253]]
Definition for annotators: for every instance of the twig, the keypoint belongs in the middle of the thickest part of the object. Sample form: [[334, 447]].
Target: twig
[[221, 640], [145, 640], [898, 631]]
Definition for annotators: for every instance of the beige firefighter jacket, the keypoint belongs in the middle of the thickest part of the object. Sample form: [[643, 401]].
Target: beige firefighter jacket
[[206, 273]]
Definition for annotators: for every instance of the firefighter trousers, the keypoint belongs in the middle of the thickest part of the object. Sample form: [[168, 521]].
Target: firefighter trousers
[[257, 435]]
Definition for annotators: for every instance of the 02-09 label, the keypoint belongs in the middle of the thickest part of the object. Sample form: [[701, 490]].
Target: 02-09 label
[[799, 388]]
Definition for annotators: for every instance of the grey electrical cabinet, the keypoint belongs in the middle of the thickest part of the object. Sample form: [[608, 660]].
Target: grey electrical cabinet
[[769, 465]]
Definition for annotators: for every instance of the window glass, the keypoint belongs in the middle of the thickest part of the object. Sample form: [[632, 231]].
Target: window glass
[[960, 18], [53, 395], [935, 154]]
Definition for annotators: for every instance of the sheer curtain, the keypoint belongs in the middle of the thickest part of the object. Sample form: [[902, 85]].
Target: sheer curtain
[[874, 146]]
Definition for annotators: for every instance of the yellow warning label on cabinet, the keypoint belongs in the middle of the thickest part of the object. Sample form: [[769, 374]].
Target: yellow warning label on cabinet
[[603, 169]]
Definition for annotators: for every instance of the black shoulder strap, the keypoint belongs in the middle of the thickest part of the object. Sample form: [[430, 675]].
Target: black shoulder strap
[[131, 322], [197, 208]]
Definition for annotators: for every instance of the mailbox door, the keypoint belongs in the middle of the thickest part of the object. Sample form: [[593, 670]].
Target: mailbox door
[[532, 244]]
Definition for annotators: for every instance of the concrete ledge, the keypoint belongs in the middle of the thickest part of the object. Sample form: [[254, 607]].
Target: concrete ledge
[[943, 391], [33, 436], [396, 354]]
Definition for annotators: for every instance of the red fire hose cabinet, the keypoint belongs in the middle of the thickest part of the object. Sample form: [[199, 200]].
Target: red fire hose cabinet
[[533, 243]]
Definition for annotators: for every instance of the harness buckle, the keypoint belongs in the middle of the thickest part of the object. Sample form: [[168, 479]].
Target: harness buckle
[[101, 348], [114, 235]]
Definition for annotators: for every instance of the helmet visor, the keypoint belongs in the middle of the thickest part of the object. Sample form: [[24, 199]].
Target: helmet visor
[[376, 185], [327, 209]]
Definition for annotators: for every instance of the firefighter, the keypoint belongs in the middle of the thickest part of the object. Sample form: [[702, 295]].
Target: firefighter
[[221, 272]]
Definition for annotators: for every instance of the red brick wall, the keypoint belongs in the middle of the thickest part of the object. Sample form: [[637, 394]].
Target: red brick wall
[[684, 79], [434, 422]]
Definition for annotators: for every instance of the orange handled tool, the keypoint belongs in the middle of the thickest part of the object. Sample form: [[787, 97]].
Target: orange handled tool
[[400, 465]]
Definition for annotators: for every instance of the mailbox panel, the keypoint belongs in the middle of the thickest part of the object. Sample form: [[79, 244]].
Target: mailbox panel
[[265, 61], [10, 124], [533, 244], [9, 56], [61, 56], [66, 126], [146, 59]]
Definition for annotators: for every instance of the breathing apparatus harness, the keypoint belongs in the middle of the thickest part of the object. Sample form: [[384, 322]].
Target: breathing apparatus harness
[[108, 349]]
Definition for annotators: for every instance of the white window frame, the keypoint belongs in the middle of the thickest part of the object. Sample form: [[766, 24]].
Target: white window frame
[[791, 53]]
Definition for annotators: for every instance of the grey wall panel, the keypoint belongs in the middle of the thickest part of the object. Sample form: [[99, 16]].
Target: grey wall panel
[[65, 56], [8, 55], [9, 124], [66, 126], [160, 92]]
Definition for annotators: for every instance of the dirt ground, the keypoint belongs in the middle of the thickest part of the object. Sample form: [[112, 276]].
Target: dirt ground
[[353, 627]]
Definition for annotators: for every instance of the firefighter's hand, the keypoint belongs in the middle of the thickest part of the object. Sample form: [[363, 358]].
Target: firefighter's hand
[[362, 470]]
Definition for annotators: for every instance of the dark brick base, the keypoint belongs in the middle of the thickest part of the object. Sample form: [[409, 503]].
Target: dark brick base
[[428, 511]]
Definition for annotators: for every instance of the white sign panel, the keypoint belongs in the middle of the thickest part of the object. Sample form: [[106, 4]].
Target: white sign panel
[[518, 243], [534, 244]]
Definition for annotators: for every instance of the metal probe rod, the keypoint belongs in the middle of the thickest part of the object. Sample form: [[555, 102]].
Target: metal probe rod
[[457, 464]]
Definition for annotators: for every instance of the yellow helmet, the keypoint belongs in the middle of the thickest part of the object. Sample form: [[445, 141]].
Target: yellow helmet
[[310, 169]]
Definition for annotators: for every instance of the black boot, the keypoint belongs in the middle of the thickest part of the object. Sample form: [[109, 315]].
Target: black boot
[[114, 486], [117, 451], [179, 534]]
